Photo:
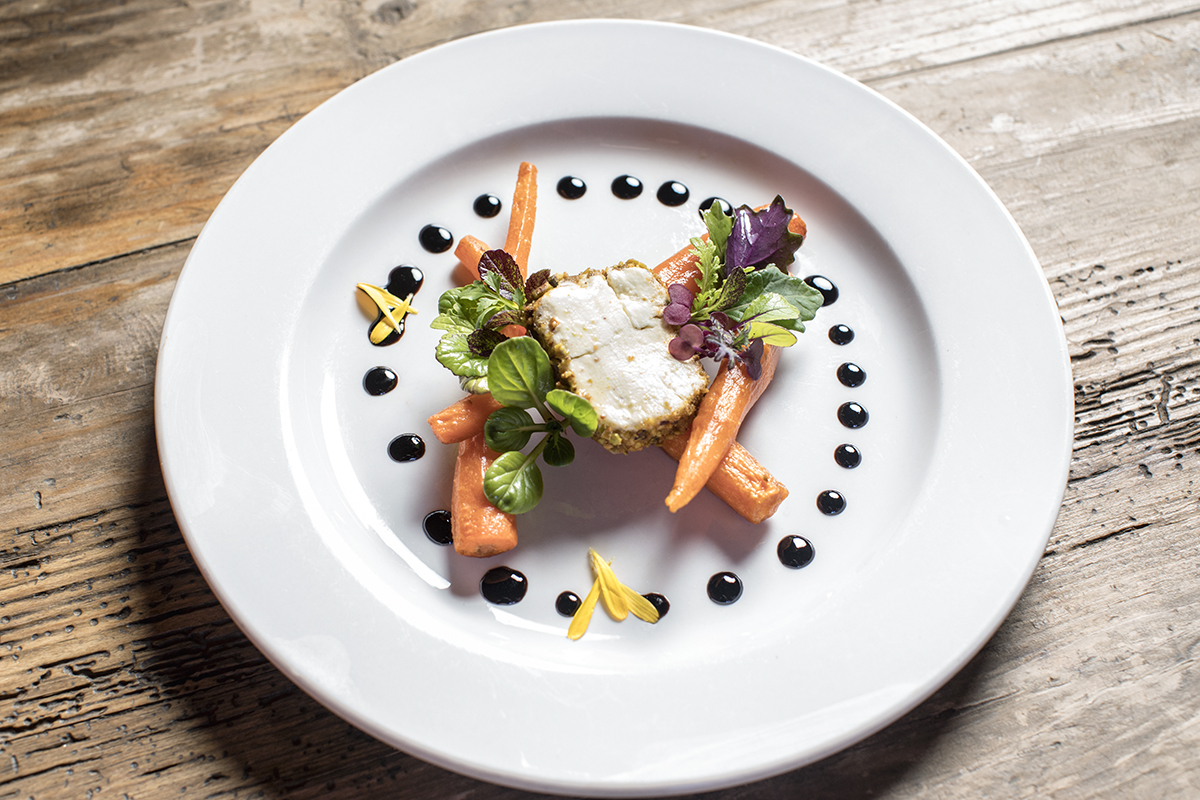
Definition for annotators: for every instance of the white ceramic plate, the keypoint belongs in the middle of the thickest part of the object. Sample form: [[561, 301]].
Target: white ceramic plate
[[276, 458]]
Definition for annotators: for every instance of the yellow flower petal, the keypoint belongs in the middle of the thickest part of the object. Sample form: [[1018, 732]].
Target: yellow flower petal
[[583, 615], [393, 308], [611, 595], [642, 608]]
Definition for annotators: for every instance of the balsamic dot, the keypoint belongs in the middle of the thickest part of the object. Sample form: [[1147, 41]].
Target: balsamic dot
[[660, 603], [437, 527], [851, 375], [487, 205], [847, 455], [503, 586], [572, 188], [825, 287], [841, 334], [406, 447], [852, 415], [724, 204], [673, 193], [831, 503], [724, 588], [435, 238], [379, 381], [795, 552], [567, 604], [404, 280], [626, 187]]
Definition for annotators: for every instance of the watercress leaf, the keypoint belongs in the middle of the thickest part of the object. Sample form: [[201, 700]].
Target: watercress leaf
[[577, 411], [498, 268], [770, 333], [508, 429], [519, 373], [719, 226], [454, 353], [759, 238], [559, 451], [483, 341], [513, 483]]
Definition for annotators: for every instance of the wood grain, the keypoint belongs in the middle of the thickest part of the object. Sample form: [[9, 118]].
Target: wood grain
[[122, 125]]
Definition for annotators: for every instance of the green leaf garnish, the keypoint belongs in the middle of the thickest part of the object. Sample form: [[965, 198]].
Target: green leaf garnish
[[509, 429], [577, 411], [559, 451], [513, 483], [519, 373]]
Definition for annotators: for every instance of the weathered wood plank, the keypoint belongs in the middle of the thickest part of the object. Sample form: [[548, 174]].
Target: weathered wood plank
[[103, 107]]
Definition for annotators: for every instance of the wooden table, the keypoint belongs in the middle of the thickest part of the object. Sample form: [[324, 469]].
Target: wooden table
[[123, 124]]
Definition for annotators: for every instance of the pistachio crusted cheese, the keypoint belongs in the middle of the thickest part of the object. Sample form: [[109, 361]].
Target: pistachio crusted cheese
[[604, 332]]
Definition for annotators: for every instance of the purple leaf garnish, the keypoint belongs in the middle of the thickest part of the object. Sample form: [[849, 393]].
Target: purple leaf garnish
[[482, 341], [762, 237], [505, 265], [680, 294], [677, 314]]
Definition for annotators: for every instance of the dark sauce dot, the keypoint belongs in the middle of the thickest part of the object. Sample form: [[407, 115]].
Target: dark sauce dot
[[660, 603], [405, 280], [841, 334], [567, 604], [379, 380], [851, 375], [503, 586], [406, 447], [847, 455], [825, 287], [724, 588], [724, 204], [831, 503], [626, 187], [572, 188], [487, 205], [795, 552], [673, 193], [435, 238], [852, 415], [437, 527]]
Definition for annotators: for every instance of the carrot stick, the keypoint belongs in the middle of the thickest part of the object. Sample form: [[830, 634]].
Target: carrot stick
[[716, 425], [521, 216], [469, 250], [462, 419], [745, 485], [478, 527]]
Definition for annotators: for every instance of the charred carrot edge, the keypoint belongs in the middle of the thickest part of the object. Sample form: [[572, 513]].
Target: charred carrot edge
[[715, 427], [740, 480], [462, 419], [478, 527], [681, 267], [521, 216], [469, 250]]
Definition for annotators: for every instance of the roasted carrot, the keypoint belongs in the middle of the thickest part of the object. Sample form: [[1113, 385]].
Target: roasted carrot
[[521, 216], [745, 485], [463, 419], [478, 527], [716, 425], [469, 250]]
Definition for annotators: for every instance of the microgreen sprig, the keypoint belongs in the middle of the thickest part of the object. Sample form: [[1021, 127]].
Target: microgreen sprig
[[744, 297]]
